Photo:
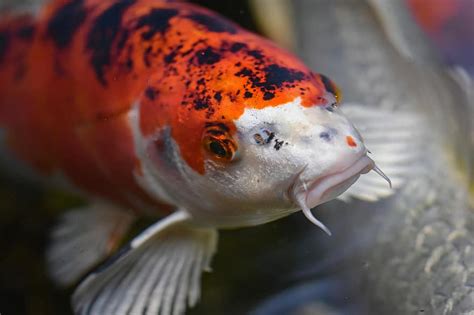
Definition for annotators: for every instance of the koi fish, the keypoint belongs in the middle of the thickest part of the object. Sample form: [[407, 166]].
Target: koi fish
[[414, 254], [153, 108]]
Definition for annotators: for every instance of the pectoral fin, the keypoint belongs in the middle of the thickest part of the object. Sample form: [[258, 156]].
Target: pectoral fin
[[391, 138], [83, 237], [157, 273]]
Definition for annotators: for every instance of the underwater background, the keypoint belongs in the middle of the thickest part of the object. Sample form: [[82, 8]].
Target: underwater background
[[272, 269]]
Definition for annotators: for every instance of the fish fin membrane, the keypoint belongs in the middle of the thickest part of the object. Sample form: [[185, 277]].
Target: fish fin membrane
[[158, 272], [82, 238], [403, 31], [388, 135]]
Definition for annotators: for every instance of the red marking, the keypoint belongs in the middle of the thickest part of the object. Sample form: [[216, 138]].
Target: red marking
[[434, 14], [350, 142]]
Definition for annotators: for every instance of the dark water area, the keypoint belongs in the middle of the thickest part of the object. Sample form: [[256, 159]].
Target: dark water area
[[29, 210]]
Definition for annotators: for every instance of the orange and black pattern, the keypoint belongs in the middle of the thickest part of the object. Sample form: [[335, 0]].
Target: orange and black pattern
[[70, 76]]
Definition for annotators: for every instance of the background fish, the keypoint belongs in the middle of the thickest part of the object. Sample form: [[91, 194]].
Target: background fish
[[165, 108], [412, 253]]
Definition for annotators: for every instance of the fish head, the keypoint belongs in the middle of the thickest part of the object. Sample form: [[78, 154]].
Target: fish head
[[257, 136], [283, 158]]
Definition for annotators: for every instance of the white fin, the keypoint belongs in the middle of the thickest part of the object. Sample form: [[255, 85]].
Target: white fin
[[389, 136], [157, 273], [403, 31], [84, 237]]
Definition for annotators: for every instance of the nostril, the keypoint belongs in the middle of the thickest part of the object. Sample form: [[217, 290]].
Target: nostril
[[326, 136]]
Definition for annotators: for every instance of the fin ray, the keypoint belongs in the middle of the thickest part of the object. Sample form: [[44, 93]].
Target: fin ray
[[161, 270], [82, 238], [389, 135]]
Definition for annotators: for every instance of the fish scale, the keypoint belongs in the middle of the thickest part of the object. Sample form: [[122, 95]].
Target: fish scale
[[410, 269]]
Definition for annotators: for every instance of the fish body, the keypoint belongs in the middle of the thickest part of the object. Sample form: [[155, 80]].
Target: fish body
[[102, 58], [414, 251], [162, 107]]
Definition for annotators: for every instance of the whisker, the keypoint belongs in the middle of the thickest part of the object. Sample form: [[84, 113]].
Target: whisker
[[377, 170], [309, 215]]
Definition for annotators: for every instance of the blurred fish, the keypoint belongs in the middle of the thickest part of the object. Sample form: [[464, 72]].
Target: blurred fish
[[414, 252], [150, 108], [450, 25]]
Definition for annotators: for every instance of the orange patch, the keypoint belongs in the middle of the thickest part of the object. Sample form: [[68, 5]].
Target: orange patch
[[434, 14], [209, 76], [69, 78], [351, 142]]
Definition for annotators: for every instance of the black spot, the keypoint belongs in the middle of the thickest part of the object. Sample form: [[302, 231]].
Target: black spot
[[150, 93], [257, 54], [237, 47], [218, 96], [248, 94], [158, 20], [4, 44], [276, 75], [207, 56], [65, 22], [270, 135], [102, 35], [245, 72], [169, 58], [26, 32], [129, 64], [213, 23], [268, 96], [328, 85], [278, 144], [201, 103], [146, 56]]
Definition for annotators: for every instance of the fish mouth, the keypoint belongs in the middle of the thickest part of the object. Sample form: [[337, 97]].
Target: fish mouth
[[323, 188], [330, 186]]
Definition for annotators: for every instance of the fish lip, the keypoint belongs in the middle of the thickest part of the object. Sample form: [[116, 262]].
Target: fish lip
[[316, 190]]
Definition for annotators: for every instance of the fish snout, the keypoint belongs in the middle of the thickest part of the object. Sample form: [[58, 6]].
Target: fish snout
[[342, 140]]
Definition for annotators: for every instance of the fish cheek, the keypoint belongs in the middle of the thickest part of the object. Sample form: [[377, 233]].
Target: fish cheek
[[161, 150]]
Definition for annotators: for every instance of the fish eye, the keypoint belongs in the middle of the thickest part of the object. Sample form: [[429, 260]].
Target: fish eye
[[332, 88], [219, 143], [263, 137]]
